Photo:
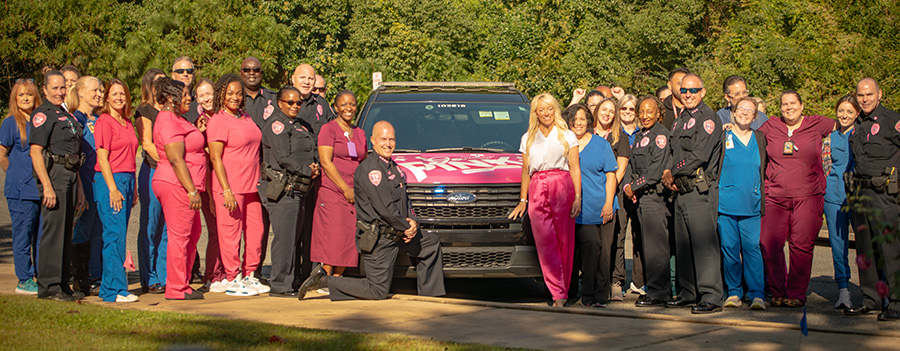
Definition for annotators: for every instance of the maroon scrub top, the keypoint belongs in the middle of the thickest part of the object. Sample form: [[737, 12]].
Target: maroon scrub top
[[799, 174]]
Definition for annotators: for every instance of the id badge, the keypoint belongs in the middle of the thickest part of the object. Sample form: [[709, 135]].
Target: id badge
[[788, 147], [351, 148], [729, 141]]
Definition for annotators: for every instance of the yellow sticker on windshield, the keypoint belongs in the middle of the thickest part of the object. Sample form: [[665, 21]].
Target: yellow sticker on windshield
[[485, 114], [501, 115]]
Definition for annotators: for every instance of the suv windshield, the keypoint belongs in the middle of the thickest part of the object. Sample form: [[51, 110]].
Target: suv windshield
[[452, 126]]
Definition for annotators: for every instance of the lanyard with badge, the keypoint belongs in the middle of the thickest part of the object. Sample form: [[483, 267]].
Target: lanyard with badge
[[351, 146], [789, 146]]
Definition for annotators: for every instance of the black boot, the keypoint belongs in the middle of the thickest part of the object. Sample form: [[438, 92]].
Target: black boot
[[81, 259]]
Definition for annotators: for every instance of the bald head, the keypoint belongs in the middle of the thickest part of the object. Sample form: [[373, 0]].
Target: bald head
[[605, 90], [303, 79], [868, 94], [383, 138], [692, 90]]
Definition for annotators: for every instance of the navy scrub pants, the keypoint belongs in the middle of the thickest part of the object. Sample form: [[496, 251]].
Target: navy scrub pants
[[26, 234], [152, 235]]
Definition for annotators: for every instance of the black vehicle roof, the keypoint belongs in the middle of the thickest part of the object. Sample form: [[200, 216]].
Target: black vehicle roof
[[447, 92]]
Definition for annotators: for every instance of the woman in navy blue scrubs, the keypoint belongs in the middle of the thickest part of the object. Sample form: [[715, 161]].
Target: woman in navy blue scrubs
[[20, 189], [741, 206], [837, 216], [152, 234], [84, 99], [594, 227]]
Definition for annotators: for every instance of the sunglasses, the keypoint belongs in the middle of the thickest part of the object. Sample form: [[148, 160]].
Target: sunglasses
[[626, 109], [251, 69], [184, 71], [316, 89], [292, 103], [692, 90], [23, 80]]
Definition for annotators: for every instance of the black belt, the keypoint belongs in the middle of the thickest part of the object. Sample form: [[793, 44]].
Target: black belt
[[875, 183], [656, 189], [69, 161], [390, 233]]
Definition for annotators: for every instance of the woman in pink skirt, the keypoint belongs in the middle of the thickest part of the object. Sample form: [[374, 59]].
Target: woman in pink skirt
[[342, 146], [551, 183]]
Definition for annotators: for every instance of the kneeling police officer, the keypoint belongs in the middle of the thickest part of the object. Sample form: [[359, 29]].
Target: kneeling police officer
[[386, 226]]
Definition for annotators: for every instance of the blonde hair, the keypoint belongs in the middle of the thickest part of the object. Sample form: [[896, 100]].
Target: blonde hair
[[20, 116], [72, 98], [615, 127], [534, 125]]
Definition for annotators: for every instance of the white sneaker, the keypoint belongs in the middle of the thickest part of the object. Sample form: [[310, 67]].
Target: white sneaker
[[843, 299], [324, 291], [635, 290], [733, 301], [236, 287], [758, 304], [219, 286], [252, 282], [127, 298]]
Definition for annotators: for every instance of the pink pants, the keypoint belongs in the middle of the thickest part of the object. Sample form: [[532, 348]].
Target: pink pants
[[551, 194], [214, 269], [246, 218], [797, 221], [184, 229]]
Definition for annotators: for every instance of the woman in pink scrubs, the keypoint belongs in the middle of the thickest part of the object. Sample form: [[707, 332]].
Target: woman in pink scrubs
[[177, 182], [234, 141], [551, 183], [795, 196]]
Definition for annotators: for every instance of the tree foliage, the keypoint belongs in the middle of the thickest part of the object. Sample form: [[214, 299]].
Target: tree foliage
[[817, 47]]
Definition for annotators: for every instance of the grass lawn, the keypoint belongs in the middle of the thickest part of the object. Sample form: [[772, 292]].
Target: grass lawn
[[27, 323]]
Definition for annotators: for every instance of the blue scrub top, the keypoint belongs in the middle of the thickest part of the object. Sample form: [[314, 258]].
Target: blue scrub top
[[725, 115], [20, 183], [841, 161], [739, 185], [631, 136], [596, 159], [88, 146]]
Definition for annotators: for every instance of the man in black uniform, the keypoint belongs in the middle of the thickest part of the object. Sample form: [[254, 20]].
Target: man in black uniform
[[383, 206], [259, 102], [290, 150], [875, 144], [55, 140], [696, 147], [673, 104], [649, 157]]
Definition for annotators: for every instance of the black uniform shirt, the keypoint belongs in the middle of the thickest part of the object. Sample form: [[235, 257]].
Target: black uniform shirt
[[148, 112], [289, 144], [261, 107], [696, 142], [649, 157], [876, 141], [315, 111], [55, 129], [380, 190]]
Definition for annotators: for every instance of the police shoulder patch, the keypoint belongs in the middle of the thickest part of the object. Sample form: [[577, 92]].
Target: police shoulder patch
[[709, 126], [277, 127], [897, 127], [661, 141], [375, 177], [39, 119]]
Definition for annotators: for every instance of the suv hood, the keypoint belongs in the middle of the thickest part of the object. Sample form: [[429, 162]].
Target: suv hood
[[461, 168]]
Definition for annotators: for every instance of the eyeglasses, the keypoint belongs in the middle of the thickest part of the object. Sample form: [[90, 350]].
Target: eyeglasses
[[251, 69], [23, 80], [317, 89], [184, 71], [745, 109], [631, 109], [692, 90], [739, 94], [292, 103]]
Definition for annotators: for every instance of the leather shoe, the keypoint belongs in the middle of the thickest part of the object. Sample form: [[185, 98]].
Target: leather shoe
[[857, 311], [889, 315], [195, 295], [678, 302], [157, 289], [705, 307], [60, 296], [313, 282], [292, 294], [647, 301]]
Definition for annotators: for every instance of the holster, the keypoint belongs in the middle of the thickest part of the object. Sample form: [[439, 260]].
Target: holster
[[891, 184], [367, 236], [698, 179], [277, 182]]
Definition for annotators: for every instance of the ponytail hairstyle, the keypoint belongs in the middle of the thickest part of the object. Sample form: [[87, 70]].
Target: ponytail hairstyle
[[168, 90], [147, 94], [73, 101]]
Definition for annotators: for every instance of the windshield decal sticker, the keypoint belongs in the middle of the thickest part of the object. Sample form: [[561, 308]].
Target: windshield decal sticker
[[501, 115], [429, 107], [485, 114]]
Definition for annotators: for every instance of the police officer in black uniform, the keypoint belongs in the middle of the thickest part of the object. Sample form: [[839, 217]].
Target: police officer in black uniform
[[387, 226], [290, 162], [55, 139], [696, 148], [874, 198], [649, 157], [260, 103]]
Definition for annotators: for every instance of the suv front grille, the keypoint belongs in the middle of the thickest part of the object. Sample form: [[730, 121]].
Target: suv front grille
[[477, 257], [493, 204], [461, 212]]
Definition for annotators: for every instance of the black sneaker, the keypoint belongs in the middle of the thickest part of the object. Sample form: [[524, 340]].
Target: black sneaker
[[60, 296], [313, 282]]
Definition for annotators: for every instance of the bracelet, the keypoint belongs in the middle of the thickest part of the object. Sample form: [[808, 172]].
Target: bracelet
[[192, 194], [523, 200], [227, 191]]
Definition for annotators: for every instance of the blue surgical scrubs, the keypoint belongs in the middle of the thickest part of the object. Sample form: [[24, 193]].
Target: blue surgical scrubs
[[836, 215], [23, 199], [88, 226], [115, 225], [740, 198]]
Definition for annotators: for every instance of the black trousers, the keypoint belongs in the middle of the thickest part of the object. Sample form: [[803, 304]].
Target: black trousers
[[594, 245], [264, 201], [424, 249], [287, 221], [626, 213], [54, 253], [872, 213], [699, 254], [654, 215]]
